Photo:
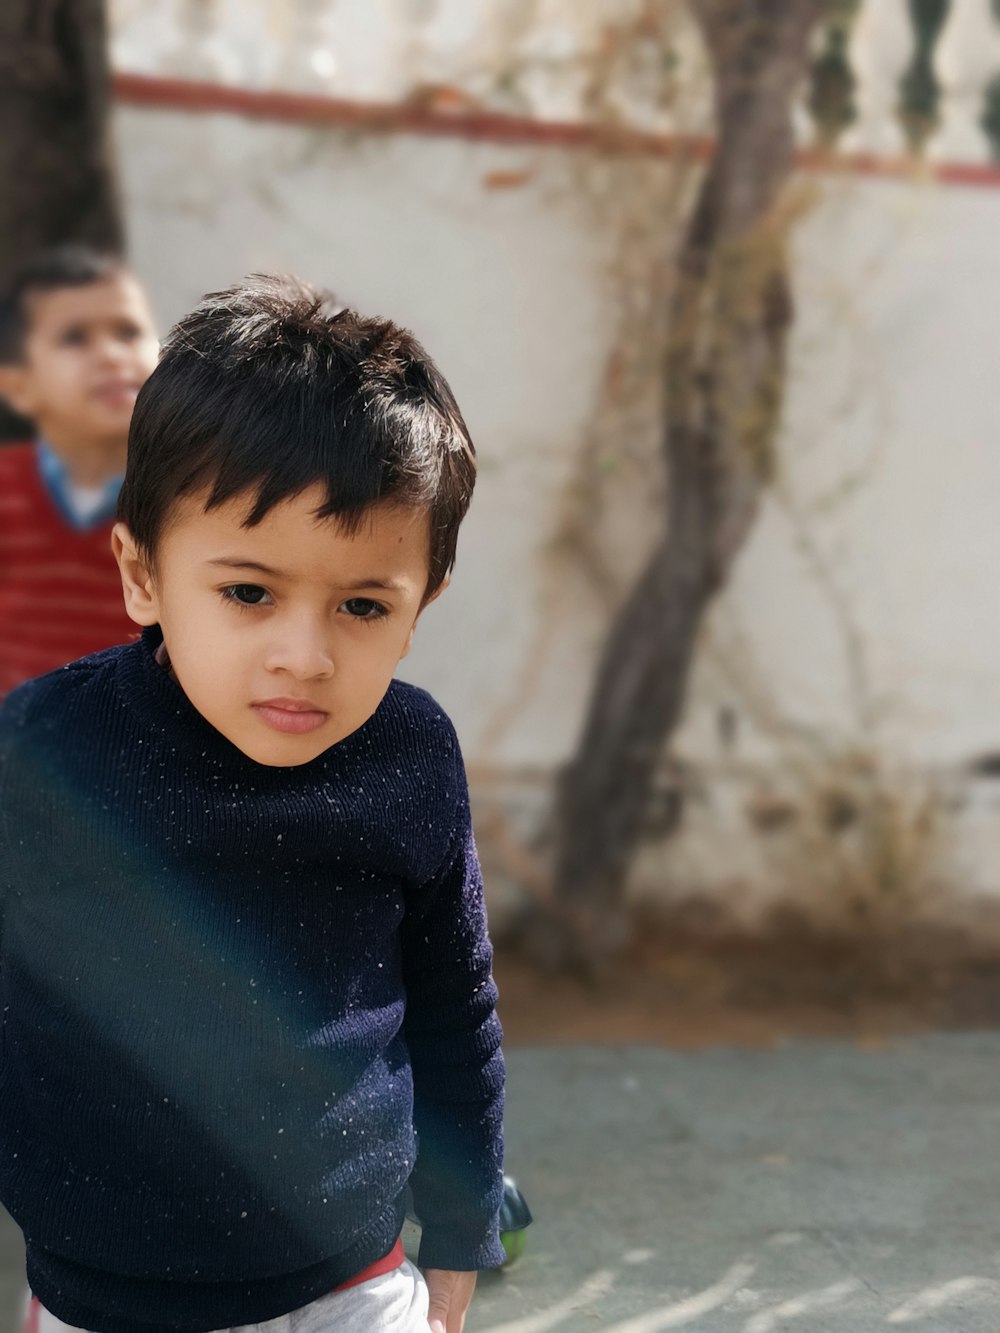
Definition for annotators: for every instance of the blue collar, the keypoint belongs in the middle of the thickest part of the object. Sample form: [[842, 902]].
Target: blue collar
[[65, 496]]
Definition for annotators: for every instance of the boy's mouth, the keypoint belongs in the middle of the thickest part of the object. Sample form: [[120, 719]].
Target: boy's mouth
[[116, 393], [296, 716]]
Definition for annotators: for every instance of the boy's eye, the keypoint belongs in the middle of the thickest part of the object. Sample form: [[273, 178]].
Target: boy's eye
[[246, 594], [128, 332], [363, 608], [75, 336]]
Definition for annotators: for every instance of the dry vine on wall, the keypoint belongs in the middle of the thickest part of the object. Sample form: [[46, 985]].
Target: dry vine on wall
[[723, 383]]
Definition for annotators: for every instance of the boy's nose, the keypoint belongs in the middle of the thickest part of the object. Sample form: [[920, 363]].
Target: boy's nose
[[111, 349], [302, 656]]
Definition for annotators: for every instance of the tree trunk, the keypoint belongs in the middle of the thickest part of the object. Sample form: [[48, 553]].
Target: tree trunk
[[55, 161], [725, 370]]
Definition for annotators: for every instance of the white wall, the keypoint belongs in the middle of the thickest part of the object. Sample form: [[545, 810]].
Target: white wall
[[896, 381], [895, 384]]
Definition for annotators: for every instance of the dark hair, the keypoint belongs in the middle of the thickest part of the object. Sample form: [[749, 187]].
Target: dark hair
[[49, 271], [269, 388]]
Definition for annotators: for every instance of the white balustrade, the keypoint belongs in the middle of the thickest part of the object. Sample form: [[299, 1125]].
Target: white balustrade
[[966, 58], [306, 61], [881, 48], [659, 81], [693, 102], [200, 51], [490, 65], [803, 125], [411, 49], [642, 91], [553, 81], [532, 57], [136, 33], [551, 58]]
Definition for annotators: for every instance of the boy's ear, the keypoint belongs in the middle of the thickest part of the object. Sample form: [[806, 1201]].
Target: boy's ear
[[14, 388], [432, 597], [141, 601]]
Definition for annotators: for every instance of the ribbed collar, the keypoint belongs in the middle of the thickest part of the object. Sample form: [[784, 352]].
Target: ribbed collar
[[150, 692]]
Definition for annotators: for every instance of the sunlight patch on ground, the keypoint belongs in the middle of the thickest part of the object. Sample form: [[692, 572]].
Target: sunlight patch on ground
[[692, 1308], [932, 1299], [768, 1320], [595, 1287]]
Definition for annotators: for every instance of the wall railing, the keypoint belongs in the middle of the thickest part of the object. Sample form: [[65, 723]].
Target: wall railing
[[891, 81]]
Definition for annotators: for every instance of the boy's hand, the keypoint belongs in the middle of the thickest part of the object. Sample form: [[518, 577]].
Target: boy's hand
[[450, 1294]]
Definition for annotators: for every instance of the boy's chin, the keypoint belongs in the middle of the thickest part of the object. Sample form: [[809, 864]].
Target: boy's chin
[[281, 753], [276, 750]]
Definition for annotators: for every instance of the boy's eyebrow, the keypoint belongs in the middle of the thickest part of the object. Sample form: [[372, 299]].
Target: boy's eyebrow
[[387, 585]]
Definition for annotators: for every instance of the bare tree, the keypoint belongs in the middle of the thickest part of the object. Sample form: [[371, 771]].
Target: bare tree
[[55, 163], [724, 381]]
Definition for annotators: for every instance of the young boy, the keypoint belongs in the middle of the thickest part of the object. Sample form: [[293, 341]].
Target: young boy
[[76, 344], [244, 965]]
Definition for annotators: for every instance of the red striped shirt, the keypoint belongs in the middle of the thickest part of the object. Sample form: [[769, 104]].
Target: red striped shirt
[[60, 592]]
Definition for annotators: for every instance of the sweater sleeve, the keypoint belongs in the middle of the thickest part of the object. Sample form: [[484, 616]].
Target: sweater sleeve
[[14, 788], [453, 1035]]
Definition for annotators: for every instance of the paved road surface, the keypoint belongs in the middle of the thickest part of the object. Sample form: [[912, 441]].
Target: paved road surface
[[817, 1187]]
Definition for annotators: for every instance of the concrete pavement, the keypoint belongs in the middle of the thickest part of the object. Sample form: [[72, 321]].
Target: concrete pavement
[[814, 1187]]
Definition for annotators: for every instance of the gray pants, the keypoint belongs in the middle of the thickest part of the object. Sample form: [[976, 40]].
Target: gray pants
[[393, 1303]]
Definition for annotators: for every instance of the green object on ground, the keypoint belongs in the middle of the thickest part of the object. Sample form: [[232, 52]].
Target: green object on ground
[[513, 1243]]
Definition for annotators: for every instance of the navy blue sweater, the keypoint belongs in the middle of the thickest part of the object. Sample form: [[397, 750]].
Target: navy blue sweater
[[235, 997]]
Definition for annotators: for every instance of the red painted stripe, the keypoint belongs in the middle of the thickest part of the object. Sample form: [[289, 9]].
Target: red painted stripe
[[464, 122]]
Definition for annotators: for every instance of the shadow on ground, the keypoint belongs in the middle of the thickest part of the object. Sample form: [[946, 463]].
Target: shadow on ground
[[817, 1185]]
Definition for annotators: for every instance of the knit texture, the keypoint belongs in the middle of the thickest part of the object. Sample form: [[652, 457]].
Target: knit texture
[[60, 590], [234, 996]]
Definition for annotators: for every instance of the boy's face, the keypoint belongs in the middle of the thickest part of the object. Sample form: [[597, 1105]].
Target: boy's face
[[284, 636], [87, 353]]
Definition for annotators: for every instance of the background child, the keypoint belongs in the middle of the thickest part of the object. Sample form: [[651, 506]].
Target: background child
[[76, 345], [245, 969]]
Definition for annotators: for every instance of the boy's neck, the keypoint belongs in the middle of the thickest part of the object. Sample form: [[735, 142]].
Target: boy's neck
[[89, 462]]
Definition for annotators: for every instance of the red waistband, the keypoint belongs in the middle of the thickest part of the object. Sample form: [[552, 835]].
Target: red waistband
[[387, 1264]]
